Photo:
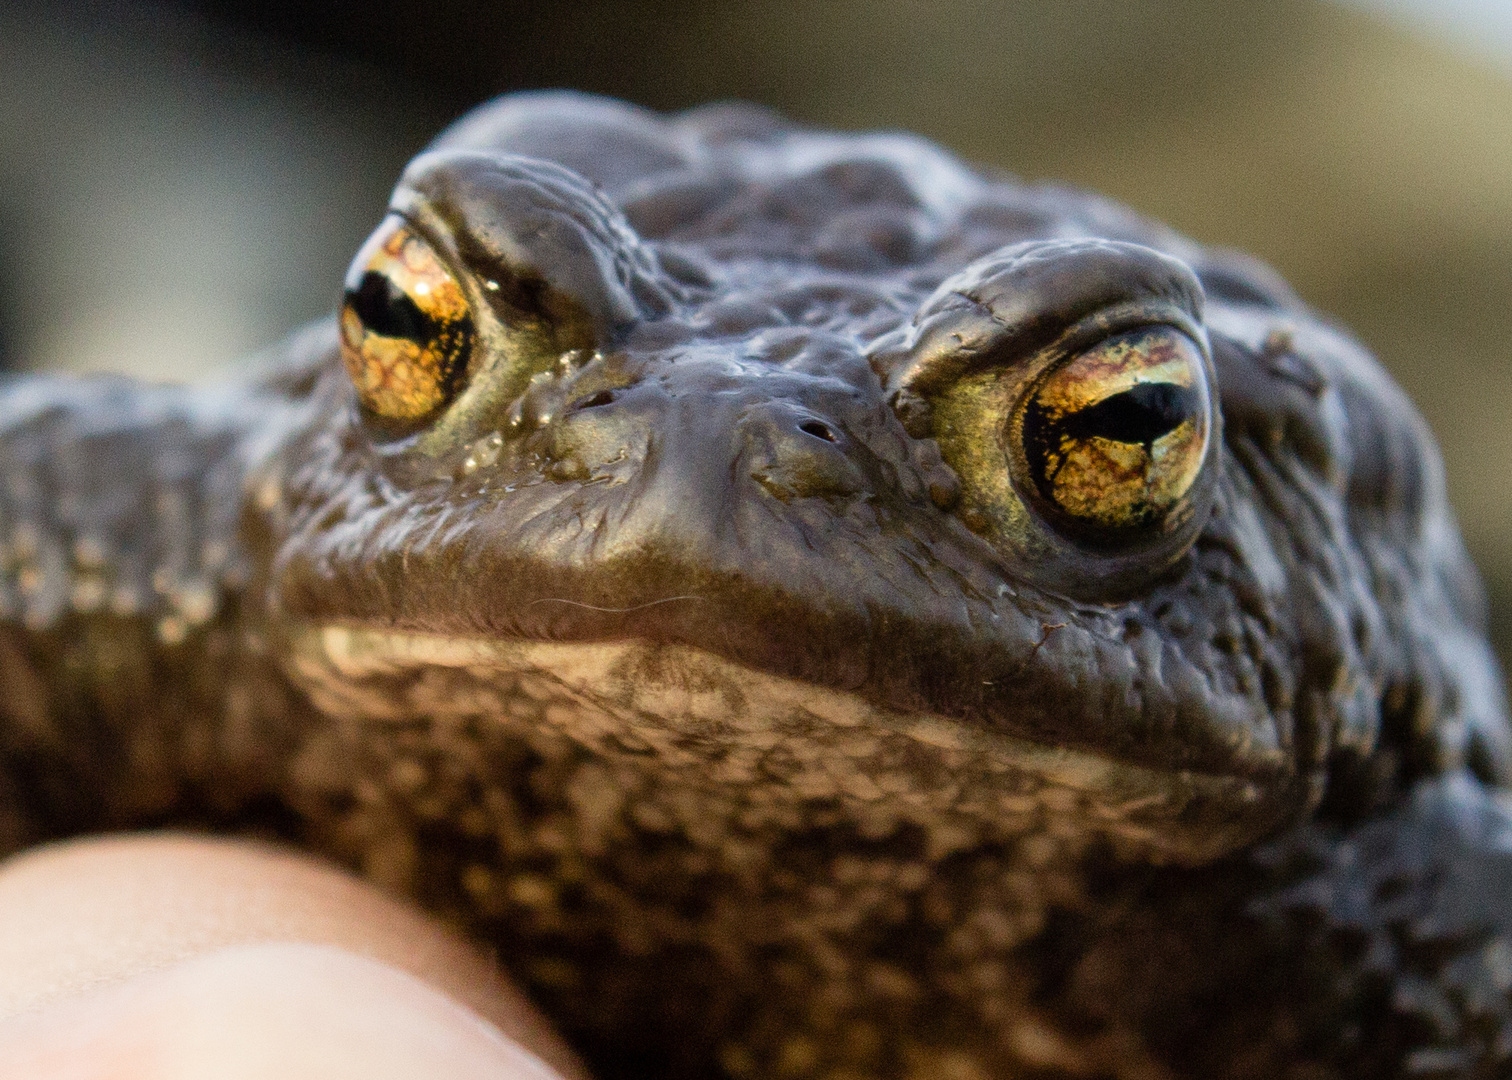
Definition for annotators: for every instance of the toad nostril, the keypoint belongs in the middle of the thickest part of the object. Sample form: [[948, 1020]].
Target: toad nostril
[[593, 401], [794, 454]]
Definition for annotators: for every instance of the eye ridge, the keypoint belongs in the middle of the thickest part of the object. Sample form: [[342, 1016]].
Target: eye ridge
[[387, 310]]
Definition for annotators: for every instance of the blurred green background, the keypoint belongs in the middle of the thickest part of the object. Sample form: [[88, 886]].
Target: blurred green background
[[180, 183]]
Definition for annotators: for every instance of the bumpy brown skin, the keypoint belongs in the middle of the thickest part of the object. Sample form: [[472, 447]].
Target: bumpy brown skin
[[754, 752]]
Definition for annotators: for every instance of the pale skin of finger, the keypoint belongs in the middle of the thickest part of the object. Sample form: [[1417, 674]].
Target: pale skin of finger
[[87, 919], [260, 1012]]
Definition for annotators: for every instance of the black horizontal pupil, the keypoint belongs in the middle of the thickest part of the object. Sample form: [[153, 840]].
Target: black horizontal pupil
[[1139, 415], [387, 310]]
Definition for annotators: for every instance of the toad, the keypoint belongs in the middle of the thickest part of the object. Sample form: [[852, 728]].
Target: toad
[[815, 607]]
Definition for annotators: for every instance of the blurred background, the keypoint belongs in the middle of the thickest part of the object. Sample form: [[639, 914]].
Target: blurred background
[[181, 183]]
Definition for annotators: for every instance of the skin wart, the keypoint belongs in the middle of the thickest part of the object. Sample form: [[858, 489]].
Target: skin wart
[[656, 568]]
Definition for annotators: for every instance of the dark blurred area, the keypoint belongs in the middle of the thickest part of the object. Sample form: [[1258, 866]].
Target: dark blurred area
[[179, 183]]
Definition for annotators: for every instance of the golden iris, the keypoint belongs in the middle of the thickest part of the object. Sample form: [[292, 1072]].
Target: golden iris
[[406, 328], [1114, 438]]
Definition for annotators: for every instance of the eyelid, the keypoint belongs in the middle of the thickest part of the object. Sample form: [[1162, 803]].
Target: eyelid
[[1013, 304], [942, 353]]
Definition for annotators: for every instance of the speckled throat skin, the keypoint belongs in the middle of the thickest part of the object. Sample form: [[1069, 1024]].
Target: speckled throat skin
[[685, 659]]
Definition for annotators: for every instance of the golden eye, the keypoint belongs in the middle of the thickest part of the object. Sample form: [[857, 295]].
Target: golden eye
[[1114, 438], [406, 328]]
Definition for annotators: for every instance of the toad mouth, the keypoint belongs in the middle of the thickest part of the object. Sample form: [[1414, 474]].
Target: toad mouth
[[730, 731]]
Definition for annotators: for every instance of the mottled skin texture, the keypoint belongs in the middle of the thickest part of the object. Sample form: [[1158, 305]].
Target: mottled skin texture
[[674, 657]]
